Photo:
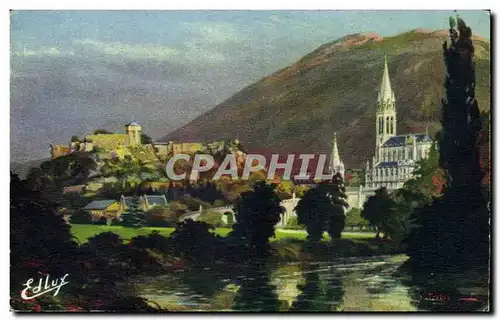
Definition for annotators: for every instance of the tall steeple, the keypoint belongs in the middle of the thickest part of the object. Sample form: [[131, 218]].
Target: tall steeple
[[386, 94], [336, 165], [385, 126]]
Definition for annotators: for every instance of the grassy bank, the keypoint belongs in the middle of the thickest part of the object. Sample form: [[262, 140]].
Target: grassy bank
[[83, 231]]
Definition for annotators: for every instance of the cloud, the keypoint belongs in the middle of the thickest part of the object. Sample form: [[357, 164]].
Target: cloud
[[42, 51], [213, 32], [133, 52]]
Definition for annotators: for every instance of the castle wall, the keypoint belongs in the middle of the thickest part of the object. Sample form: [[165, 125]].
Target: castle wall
[[60, 150], [108, 141]]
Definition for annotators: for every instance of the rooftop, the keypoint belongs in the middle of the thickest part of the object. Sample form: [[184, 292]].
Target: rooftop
[[400, 140], [99, 205]]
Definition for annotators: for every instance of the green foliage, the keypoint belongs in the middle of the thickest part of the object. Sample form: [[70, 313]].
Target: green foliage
[[73, 169], [338, 197], [81, 217], [162, 216], [194, 241], [293, 224], [178, 208], [322, 209], [285, 189], [101, 131], [75, 139], [428, 176], [389, 214], [116, 222], [134, 216], [145, 139], [354, 218], [101, 221], [452, 22], [211, 218], [193, 203], [40, 239], [314, 210], [257, 213]]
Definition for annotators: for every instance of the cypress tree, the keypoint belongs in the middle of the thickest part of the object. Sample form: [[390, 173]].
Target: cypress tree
[[134, 216]]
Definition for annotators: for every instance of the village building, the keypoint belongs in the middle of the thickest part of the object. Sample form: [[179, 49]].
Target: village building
[[103, 208]]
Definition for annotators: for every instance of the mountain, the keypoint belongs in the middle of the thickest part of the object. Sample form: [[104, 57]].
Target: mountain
[[334, 89]]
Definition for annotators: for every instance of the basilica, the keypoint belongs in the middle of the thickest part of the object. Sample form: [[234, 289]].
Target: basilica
[[395, 156]]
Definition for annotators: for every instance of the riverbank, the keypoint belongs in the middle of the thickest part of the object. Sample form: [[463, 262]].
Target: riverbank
[[82, 232], [292, 250]]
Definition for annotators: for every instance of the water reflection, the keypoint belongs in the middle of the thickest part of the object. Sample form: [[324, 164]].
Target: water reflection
[[316, 294], [256, 293], [350, 284]]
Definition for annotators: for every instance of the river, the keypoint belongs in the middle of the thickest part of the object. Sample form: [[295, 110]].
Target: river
[[348, 284]]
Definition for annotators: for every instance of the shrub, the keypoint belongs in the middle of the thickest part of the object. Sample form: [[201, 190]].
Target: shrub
[[162, 216], [81, 217], [211, 218]]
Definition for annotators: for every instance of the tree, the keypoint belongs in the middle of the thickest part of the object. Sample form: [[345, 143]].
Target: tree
[[454, 230], [81, 217], [145, 139], [40, 239], [193, 240], [75, 139], [257, 213], [354, 219], [211, 218], [126, 171], [429, 177], [321, 209], [101, 131], [314, 210], [161, 216], [379, 209], [338, 197], [134, 216], [285, 189]]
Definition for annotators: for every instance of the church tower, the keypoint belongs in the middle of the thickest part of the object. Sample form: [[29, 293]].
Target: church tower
[[386, 111], [133, 131], [336, 165]]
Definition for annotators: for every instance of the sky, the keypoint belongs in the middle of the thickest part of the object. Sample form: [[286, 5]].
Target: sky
[[76, 71]]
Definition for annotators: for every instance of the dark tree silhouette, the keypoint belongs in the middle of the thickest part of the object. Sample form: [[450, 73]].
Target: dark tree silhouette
[[316, 295], [338, 197], [81, 217], [134, 216], [40, 239], [256, 293], [454, 230], [321, 209], [379, 210], [257, 213], [145, 139], [194, 241], [314, 210]]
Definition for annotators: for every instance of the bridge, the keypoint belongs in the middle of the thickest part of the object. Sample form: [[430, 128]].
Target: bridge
[[356, 197]]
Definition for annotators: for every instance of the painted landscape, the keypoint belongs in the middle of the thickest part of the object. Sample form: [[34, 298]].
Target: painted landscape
[[329, 161]]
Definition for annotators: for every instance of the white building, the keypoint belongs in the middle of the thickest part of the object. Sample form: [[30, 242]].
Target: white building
[[395, 155]]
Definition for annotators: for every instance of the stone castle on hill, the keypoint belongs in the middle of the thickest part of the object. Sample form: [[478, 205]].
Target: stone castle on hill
[[115, 142]]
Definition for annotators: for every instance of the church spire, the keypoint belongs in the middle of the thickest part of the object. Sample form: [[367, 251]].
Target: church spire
[[386, 93], [336, 165]]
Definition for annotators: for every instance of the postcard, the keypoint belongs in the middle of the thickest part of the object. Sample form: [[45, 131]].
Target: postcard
[[250, 161]]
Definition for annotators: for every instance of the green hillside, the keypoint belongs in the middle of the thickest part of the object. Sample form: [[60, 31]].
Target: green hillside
[[334, 88]]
